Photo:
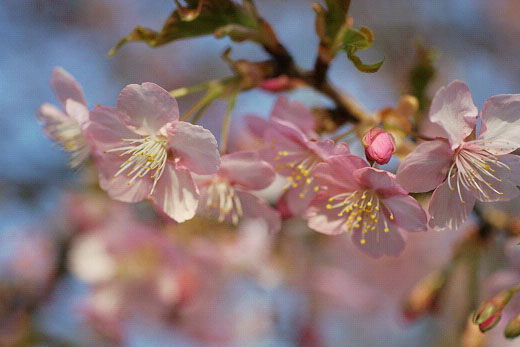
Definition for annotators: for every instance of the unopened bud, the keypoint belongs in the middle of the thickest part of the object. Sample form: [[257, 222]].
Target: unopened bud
[[490, 323], [491, 307], [276, 84], [513, 328], [423, 298], [379, 145]]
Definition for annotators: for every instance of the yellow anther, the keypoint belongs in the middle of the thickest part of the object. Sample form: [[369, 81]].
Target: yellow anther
[[386, 230], [316, 188], [362, 241], [369, 203], [294, 185], [331, 199], [302, 195], [329, 206], [391, 216]]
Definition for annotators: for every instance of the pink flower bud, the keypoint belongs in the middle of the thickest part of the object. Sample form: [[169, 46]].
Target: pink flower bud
[[379, 145], [490, 323], [276, 84], [492, 307]]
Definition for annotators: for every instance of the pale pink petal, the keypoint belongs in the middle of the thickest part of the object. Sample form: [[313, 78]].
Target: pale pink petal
[[105, 130], [247, 170], [176, 194], [194, 146], [278, 144], [78, 112], [321, 219], [407, 212], [51, 118], [117, 187], [501, 121], [147, 108], [453, 109], [378, 242], [446, 210], [338, 170], [66, 87], [295, 113], [254, 207], [341, 148], [323, 148], [256, 125], [383, 182], [499, 191], [290, 131], [432, 130], [299, 198], [513, 162], [426, 167]]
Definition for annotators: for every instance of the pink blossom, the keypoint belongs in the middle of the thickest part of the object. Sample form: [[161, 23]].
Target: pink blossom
[[294, 155], [379, 145], [460, 167], [226, 193], [67, 128], [143, 150], [365, 201]]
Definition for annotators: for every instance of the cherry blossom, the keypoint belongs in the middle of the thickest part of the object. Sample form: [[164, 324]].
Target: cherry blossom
[[366, 201], [143, 150], [226, 193], [66, 129], [459, 165], [294, 155]]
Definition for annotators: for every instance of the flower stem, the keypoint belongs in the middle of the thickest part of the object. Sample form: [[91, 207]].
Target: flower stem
[[180, 92], [408, 132], [202, 103], [227, 123], [345, 134]]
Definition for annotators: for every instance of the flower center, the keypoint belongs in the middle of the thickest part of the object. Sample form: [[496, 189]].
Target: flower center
[[300, 170], [144, 155], [221, 197], [363, 209], [475, 169]]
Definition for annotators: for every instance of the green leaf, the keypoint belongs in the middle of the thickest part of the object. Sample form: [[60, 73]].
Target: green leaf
[[336, 16], [199, 18], [359, 39]]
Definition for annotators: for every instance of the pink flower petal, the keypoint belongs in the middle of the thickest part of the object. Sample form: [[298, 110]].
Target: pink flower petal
[[322, 219], [341, 148], [506, 189], [425, 168], [256, 125], [176, 194], [51, 116], [78, 112], [408, 213], [501, 122], [296, 203], [295, 113], [254, 207], [446, 210], [247, 170], [383, 182], [338, 170], [117, 187], [378, 242], [105, 130], [454, 110], [66, 87], [194, 146], [147, 108], [513, 161]]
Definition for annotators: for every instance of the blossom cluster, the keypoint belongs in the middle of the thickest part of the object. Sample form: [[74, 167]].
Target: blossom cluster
[[142, 149]]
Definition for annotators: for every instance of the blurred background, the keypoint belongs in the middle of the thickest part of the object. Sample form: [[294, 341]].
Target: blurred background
[[211, 285]]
